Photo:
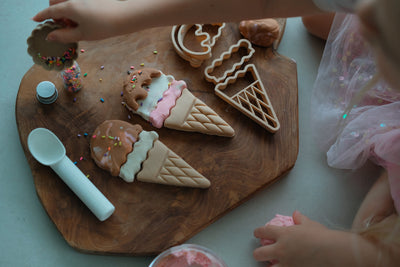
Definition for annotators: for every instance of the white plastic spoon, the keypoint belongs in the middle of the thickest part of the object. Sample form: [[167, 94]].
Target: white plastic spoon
[[46, 148]]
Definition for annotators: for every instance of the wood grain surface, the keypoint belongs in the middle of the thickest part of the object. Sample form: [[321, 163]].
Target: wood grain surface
[[149, 218]]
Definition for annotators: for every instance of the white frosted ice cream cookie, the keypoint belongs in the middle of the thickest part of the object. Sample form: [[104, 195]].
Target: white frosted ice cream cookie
[[127, 151]]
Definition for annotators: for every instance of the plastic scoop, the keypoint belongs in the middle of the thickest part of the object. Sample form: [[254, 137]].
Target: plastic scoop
[[46, 148]]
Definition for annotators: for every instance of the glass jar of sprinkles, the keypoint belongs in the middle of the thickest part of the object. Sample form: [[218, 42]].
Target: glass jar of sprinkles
[[72, 78]]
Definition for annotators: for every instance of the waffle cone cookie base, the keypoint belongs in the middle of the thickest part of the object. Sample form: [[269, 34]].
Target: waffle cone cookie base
[[163, 166], [192, 114]]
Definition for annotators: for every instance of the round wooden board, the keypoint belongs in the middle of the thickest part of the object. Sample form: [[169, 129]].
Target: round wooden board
[[149, 218]]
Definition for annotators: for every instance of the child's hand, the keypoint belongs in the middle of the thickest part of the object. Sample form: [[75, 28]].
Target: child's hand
[[297, 245], [83, 19]]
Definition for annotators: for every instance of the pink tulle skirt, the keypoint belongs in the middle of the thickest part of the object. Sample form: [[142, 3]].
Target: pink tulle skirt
[[351, 132]]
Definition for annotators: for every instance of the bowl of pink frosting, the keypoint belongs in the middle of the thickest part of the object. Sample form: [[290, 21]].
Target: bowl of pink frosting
[[187, 255]]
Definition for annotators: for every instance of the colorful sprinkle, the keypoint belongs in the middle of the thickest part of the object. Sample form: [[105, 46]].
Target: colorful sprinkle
[[102, 67], [101, 100], [94, 136], [84, 75], [132, 67], [142, 64], [155, 52], [82, 51], [85, 134], [100, 79], [344, 116], [72, 78]]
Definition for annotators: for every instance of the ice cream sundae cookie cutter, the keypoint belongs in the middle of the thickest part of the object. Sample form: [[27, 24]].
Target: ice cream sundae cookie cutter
[[253, 100], [226, 55], [48, 54], [206, 42]]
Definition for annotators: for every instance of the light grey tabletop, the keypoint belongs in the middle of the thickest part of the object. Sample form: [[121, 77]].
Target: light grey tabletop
[[29, 238]]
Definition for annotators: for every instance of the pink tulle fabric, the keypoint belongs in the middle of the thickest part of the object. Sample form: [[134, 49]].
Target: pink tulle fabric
[[371, 129]]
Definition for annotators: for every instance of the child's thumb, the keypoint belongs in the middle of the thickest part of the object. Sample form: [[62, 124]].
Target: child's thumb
[[299, 218]]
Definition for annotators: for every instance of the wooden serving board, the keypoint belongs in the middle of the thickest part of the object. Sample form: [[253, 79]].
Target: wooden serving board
[[149, 218]]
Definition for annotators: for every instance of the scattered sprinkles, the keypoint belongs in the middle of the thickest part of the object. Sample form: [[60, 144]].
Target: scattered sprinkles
[[67, 56]]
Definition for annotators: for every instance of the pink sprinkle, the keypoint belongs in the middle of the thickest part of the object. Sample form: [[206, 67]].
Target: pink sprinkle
[[81, 158], [132, 67], [94, 136], [82, 51]]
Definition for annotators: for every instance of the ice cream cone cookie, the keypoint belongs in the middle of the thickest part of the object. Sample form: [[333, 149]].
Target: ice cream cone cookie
[[164, 101], [163, 166], [193, 115], [127, 151]]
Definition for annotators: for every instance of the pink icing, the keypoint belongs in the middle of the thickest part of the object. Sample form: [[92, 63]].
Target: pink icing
[[162, 111], [278, 220]]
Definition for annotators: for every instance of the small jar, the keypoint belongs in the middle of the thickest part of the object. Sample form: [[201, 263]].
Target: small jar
[[46, 92], [72, 78]]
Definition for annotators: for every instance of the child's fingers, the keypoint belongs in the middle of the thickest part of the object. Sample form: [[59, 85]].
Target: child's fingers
[[265, 253], [65, 35], [268, 231], [53, 2], [52, 12]]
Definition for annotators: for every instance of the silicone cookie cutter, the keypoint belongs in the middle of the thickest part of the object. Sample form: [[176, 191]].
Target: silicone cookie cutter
[[226, 55], [253, 100], [204, 38]]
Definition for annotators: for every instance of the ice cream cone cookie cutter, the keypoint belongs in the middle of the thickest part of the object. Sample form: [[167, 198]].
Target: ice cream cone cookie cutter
[[48, 150], [48, 54], [205, 40], [253, 100], [242, 43]]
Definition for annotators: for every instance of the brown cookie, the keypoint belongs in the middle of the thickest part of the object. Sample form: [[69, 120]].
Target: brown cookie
[[261, 32], [135, 86], [48, 54], [111, 143]]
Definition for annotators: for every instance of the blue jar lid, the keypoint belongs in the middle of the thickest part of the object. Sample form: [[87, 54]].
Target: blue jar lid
[[46, 92]]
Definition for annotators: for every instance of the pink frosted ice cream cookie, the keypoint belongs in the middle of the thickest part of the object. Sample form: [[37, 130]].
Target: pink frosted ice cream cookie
[[163, 101]]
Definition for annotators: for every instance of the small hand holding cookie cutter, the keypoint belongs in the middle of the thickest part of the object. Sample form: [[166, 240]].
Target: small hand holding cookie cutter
[[46, 148], [196, 58]]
